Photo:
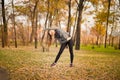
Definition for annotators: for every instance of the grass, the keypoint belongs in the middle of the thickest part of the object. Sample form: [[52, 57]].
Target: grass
[[28, 63], [109, 49]]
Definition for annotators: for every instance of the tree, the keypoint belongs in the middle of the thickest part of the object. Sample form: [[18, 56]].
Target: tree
[[33, 20], [35, 37], [69, 16], [5, 31], [78, 29], [116, 27], [48, 7], [74, 27], [13, 20], [107, 23], [99, 31]]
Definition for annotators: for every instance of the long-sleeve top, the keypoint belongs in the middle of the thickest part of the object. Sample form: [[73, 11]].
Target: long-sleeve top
[[60, 35]]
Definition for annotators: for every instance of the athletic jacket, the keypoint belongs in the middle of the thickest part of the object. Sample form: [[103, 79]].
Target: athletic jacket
[[61, 35]]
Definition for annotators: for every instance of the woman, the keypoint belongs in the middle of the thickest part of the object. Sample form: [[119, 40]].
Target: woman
[[64, 39]]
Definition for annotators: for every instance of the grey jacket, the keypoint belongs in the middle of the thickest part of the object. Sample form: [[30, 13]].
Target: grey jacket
[[61, 35]]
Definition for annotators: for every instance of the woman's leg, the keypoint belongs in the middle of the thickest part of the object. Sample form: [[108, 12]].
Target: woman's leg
[[60, 51], [70, 44]]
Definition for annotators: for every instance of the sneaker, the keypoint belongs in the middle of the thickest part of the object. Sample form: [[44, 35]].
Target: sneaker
[[71, 65], [53, 64]]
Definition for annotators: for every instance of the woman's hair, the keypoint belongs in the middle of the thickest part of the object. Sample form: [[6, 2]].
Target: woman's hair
[[49, 36], [46, 40], [57, 35]]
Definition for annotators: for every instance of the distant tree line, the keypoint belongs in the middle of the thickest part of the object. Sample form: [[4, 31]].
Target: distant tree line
[[54, 13]]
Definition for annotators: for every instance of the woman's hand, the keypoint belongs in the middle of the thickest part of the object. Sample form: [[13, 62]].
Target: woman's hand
[[68, 38]]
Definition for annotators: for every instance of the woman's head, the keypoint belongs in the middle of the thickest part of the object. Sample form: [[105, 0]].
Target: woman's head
[[51, 32]]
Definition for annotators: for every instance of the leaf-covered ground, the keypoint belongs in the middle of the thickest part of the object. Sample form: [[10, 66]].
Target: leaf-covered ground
[[27, 63]]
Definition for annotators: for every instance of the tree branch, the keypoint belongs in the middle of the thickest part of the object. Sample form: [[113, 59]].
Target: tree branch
[[77, 2]]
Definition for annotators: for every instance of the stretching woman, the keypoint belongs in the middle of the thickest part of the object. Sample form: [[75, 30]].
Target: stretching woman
[[64, 39]]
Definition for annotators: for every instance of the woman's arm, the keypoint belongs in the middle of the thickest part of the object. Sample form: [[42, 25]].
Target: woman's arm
[[50, 29]]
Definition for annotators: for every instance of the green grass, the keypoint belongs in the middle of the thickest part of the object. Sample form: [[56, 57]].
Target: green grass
[[109, 49], [28, 63]]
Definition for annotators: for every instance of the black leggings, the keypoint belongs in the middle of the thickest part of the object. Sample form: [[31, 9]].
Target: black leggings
[[70, 44]]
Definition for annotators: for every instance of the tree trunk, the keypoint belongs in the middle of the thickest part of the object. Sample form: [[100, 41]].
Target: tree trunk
[[22, 35], [113, 26], [69, 17], [36, 40], [78, 30], [2, 38], [109, 40], [47, 14], [74, 28], [33, 31], [112, 41], [119, 43], [110, 36], [33, 21], [46, 20], [14, 24], [107, 23], [97, 40], [74, 39], [28, 32], [51, 20], [2, 30], [5, 31]]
